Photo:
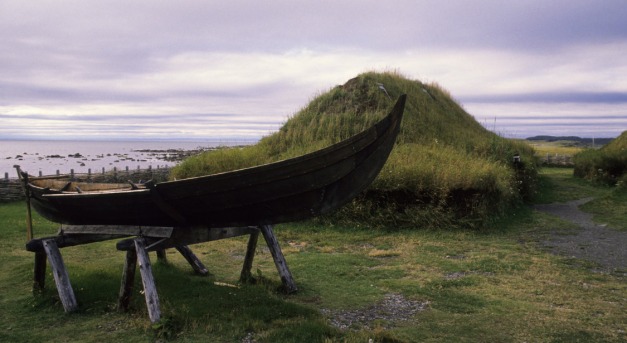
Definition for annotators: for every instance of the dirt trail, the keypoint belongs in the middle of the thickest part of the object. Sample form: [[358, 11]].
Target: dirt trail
[[587, 240]]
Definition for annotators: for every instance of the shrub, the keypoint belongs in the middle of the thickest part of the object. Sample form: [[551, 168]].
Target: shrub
[[606, 165]]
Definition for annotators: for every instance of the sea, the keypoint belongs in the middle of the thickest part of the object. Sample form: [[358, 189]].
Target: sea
[[40, 157]]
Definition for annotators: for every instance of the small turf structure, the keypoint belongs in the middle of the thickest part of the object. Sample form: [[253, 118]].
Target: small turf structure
[[606, 165], [446, 168]]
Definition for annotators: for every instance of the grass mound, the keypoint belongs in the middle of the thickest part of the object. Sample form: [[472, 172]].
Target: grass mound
[[446, 168], [607, 165]]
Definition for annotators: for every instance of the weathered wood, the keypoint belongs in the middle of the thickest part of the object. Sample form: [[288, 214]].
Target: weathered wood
[[192, 235], [23, 177], [161, 256], [128, 280], [191, 258], [279, 260], [39, 275], [61, 277], [148, 281], [69, 240], [188, 236], [246, 275], [126, 230], [29, 219], [164, 205]]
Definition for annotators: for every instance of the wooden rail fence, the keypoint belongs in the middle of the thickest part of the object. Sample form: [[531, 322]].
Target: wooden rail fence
[[556, 160]]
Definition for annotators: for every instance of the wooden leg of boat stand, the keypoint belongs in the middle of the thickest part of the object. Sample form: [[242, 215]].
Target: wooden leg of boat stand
[[60, 274], [128, 280], [279, 259], [191, 258], [161, 256], [39, 278], [246, 275], [148, 281]]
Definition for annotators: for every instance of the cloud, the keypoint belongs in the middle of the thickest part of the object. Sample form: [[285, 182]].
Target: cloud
[[552, 97], [530, 119], [115, 62]]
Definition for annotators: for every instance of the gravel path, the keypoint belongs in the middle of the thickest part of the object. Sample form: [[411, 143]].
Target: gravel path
[[597, 243]]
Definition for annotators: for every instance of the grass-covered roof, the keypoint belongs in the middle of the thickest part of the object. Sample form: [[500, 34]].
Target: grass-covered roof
[[446, 168]]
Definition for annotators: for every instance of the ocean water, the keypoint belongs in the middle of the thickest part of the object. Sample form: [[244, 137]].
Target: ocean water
[[48, 157]]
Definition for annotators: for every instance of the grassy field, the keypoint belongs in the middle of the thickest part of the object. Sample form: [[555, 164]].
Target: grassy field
[[544, 148], [494, 285]]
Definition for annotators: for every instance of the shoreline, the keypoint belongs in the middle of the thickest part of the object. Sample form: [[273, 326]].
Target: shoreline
[[43, 158]]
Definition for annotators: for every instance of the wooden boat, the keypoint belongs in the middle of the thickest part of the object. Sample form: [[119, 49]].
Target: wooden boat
[[284, 191]]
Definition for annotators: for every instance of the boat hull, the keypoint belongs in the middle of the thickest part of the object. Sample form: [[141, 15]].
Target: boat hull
[[284, 191]]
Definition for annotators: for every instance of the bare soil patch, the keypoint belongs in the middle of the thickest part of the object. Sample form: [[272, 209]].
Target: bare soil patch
[[586, 240], [394, 308]]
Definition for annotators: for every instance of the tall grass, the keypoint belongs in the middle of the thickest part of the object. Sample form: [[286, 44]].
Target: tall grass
[[444, 162], [607, 165]]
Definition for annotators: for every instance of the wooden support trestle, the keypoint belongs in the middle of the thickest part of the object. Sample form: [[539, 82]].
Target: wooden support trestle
[[147, 239]]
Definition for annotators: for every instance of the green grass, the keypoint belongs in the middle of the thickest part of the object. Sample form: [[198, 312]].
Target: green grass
[[606, 165], [542, 148], [494, 285], [560, 185], [609, 205], [610, 208]]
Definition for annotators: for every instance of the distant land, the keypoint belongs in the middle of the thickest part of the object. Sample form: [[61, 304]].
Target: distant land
[[576, 141]]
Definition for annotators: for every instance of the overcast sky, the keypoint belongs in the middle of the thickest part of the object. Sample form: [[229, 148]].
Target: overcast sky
[[237, 69]]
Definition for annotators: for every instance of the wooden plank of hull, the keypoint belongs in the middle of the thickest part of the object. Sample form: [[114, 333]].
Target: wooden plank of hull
[[268, 174], [306, 192], [124, 208]]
